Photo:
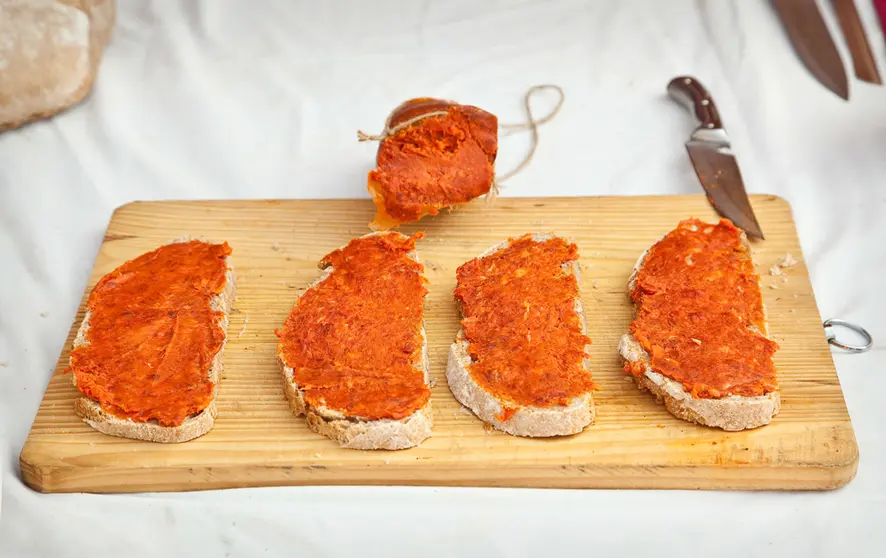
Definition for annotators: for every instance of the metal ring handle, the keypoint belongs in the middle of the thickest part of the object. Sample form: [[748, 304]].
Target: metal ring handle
[[832, 337]]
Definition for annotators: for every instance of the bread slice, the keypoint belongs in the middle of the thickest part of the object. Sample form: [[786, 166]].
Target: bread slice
[[354, 432], [50, 55], [194, 426], [731, 413], [526, 421]]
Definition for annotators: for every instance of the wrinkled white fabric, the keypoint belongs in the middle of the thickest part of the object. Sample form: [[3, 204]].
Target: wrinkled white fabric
[[226, 99]]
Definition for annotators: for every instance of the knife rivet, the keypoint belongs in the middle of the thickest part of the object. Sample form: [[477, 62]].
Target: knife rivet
[[705, 102]]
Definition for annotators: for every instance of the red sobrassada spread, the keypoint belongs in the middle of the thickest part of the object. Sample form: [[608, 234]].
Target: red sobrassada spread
[[438, 161], [524, 336], [700, 313], [153, 335], [354, 339]]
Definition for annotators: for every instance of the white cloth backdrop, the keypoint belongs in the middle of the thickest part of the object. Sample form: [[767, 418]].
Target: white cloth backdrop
[[225, 99]]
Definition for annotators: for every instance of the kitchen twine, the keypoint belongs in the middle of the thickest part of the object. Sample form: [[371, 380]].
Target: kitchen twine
[[531, 124]]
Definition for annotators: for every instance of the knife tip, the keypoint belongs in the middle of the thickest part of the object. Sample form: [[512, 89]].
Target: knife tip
[[757, 234], [752, 230]]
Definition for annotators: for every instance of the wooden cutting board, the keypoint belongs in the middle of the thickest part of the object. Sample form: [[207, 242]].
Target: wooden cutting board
[[635, 443]]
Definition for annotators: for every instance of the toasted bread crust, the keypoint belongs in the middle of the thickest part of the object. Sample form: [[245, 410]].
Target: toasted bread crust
[[731, 413], [526, 421], [355, 432], [194, 426]]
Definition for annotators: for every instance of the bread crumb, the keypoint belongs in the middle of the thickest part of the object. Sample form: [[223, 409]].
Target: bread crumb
[[488, 428], [432, 265], [243, 329], [432, 384], [696, 341], [3, 364], [275, 246], [787, 261], [318, 455], [793, 310], [784, 280], [773, 287], [594, 284], [44, 314], [387, 461], [784, 262]]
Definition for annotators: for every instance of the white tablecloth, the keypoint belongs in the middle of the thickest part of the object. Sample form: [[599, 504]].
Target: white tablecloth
[[228, 99]]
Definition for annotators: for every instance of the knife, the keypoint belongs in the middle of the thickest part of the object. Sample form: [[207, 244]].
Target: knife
[[711, 155], [813, 43], [853, 30]]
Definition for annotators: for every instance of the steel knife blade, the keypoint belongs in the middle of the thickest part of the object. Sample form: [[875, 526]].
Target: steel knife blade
[[711, 155], [813, 43]]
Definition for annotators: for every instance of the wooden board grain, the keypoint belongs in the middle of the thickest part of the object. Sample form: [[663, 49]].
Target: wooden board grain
[[635, 443]]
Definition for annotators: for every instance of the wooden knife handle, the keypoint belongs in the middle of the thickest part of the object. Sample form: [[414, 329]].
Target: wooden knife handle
[[691, 94]]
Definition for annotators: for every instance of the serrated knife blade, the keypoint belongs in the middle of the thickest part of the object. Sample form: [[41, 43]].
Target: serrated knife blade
[[711, 155]]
